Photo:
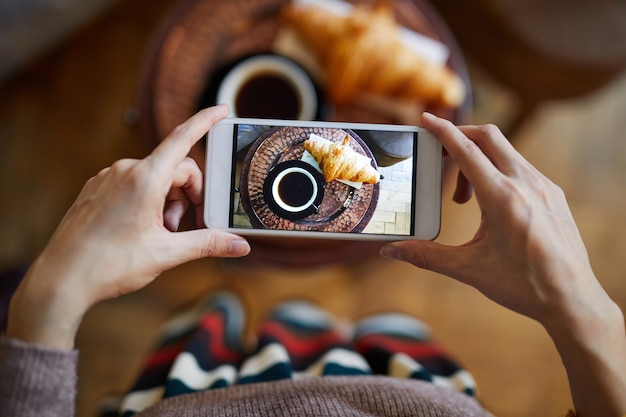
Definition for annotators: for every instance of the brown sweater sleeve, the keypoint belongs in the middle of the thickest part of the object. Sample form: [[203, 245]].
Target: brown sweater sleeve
[[36, 381]]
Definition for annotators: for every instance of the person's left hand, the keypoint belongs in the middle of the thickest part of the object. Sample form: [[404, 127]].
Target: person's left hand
[[119, 235]]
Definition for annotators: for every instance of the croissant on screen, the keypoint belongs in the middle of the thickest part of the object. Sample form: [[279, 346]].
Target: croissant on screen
[[339, 161], [363, 51]]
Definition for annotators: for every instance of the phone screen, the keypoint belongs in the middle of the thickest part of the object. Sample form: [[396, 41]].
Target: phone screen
[[321, 179]]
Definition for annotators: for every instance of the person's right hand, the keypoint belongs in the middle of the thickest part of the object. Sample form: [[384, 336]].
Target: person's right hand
[[528, 256]]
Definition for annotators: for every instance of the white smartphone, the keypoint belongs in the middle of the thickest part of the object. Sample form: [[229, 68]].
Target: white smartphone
[[323, 180]]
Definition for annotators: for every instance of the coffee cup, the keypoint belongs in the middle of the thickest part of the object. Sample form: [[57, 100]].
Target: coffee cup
[[294, 190], [269, 86]]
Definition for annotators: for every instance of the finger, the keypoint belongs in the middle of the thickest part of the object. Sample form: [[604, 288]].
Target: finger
[[472, 161], [177, 145], [202, 243], [189, 178], [423, 254], [495, 145], [464, 190], [175, 208], [186, 189]]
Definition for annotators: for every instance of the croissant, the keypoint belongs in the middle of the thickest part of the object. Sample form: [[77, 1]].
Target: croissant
[[339, 161], [363, 51]]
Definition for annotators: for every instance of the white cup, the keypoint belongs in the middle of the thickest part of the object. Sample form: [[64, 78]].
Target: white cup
[[294, 189], [269, 86]]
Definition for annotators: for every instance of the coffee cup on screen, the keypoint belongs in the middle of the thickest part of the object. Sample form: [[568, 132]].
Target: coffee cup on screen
[[269, 86], [294, 190]]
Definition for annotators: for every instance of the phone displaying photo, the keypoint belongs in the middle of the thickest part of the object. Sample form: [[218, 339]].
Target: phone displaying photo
[[318, 179]]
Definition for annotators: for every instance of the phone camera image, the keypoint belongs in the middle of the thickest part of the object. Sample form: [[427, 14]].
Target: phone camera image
[[322, 179], [294, 190]]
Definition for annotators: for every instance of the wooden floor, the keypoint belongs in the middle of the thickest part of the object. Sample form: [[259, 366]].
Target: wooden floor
[[67, 116]]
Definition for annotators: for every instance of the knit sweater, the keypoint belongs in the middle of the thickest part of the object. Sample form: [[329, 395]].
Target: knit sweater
[[37, 381]]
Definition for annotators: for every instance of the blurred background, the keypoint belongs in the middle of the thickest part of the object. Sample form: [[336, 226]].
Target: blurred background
[[549, 73]]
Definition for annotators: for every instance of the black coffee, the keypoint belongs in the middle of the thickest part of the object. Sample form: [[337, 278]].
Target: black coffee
[[267, 96], [295, 189]]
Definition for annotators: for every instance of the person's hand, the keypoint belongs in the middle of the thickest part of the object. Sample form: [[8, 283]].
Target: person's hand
[[527, 253], [528, 256], [119, 235]]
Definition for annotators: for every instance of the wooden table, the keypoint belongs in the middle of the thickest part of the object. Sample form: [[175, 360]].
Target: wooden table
[[542, 50]]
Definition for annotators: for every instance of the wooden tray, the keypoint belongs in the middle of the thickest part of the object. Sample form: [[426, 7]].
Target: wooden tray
[[202, 36]]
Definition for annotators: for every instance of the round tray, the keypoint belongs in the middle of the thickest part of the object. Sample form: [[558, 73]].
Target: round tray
[[202, 37], [343, 209]]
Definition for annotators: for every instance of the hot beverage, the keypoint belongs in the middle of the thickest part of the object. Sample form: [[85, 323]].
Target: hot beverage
[[269, 87], [268, 96], [295, 189]]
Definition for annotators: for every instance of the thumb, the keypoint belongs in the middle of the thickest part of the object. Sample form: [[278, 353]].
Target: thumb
[[423, 254], [202, 243]]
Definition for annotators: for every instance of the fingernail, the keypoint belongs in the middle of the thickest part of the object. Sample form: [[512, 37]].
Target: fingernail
[[238, 247], [428, 115], [391, 252]]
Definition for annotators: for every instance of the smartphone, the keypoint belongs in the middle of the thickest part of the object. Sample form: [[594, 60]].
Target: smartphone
[[323, 180]]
